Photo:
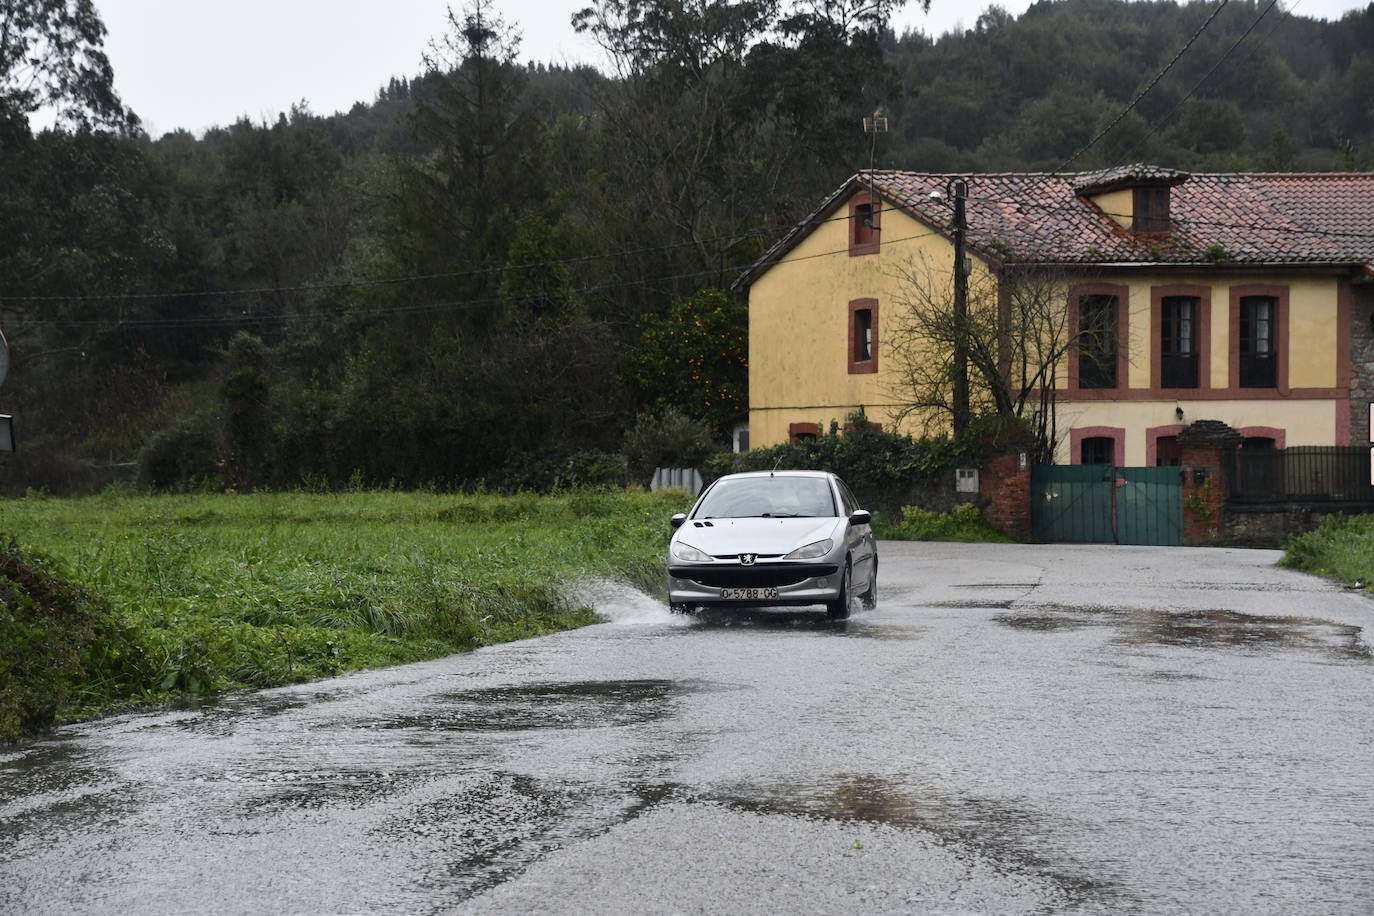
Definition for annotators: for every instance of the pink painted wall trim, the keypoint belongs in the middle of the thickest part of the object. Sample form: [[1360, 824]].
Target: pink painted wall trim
[[1116, 433], [1152, 437]]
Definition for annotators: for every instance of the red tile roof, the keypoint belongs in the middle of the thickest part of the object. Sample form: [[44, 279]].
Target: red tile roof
[[1039, 218]]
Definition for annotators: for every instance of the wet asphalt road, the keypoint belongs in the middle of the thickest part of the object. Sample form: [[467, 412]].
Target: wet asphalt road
[[1014, 730]]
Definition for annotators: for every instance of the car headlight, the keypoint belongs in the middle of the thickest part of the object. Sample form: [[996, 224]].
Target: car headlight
[[689, 553], [811, 551]]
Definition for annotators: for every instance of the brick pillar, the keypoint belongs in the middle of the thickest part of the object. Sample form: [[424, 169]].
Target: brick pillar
[[1005, 487], [1204, 490]]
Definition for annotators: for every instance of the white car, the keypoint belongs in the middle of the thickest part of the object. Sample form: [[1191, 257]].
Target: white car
[[774, 538]]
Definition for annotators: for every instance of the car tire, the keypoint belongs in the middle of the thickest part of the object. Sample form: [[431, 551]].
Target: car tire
[[869, 598], [839, 608], [677, 608]]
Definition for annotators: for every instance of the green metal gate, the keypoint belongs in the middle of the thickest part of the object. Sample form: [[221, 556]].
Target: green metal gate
[[1101, 504]]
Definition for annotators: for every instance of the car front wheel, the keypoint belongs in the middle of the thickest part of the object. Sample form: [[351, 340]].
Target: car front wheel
[[870, 597], [839, 608]]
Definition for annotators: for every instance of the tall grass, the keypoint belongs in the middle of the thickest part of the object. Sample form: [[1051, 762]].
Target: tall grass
[[1342, 549], [221, 592]]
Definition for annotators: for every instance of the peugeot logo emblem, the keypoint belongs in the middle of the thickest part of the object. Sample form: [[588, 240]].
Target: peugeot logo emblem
[[747, 559]]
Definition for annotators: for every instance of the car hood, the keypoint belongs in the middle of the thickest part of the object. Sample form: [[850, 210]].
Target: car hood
[[768, 536]]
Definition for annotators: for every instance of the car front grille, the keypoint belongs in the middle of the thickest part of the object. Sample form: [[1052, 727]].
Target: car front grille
[[751, 576]]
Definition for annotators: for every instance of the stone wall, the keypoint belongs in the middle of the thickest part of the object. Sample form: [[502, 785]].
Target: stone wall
[[1273, 525], [1361, 362]]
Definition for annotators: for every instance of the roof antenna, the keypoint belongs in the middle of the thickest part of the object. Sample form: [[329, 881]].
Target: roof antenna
[[775, 465]]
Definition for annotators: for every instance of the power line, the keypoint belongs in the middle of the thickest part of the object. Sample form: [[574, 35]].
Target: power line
[[413, 278], [1208, 75], [1135, 101], [457, 304], [430, 306]]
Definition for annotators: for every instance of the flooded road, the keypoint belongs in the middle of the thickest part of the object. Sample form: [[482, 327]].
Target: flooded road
[[1014, 729]]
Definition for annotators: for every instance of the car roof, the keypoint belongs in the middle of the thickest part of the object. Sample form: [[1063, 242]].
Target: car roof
[[824, 474]]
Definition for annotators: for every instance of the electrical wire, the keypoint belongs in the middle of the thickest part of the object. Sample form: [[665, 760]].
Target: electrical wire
[[460, 305], [1208, 75], [1135, 101], [417, 278], [450, 305]]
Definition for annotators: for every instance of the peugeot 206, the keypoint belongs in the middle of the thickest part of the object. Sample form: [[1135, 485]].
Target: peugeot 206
[[774, 538]]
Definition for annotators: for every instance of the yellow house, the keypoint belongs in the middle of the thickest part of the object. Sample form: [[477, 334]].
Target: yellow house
[[1245, 298]]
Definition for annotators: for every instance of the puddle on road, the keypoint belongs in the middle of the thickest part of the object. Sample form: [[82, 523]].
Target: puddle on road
[[220, 716], [318, 789], [992, 604], [56, 787], [500, 823], [575, 704], [764, 618], [1199, 629], [1005, 833]]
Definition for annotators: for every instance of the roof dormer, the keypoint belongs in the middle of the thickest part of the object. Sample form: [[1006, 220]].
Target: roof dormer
[[1136, 197]]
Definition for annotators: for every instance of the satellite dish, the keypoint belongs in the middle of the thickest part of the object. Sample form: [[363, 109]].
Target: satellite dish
[[4, 357]]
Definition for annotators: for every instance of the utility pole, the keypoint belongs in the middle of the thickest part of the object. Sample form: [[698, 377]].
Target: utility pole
[[958, 189], [6, 421], [873, 126]]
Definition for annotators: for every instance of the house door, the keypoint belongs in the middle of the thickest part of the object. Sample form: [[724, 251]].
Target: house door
[[1102, 504]]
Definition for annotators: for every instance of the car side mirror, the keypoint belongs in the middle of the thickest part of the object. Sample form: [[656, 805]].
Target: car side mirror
[[861, 517], [677, 520]]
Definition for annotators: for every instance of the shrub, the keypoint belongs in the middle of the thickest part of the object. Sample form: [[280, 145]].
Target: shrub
[[668, 439], [964, 522], [546, 473], [885, 470], [181, 457], [1342, 548]]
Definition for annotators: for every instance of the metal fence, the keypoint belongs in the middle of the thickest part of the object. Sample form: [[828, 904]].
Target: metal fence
[[1301, 474]]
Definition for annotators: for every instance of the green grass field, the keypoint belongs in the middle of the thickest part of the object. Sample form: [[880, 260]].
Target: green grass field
[[199, 594], [1341, 549]]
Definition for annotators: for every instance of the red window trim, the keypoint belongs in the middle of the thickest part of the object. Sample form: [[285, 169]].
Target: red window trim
[[870, 365], [871, 244], [1154, 433], [1123, 342], [1280, 436], [1116, 433], [802, 429], [1280, 295], [1202, 334]]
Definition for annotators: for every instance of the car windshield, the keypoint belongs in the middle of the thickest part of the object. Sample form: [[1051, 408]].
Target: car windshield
[[768, 497]]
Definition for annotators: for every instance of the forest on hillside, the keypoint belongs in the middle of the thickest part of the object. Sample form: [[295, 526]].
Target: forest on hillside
[[515, 275]]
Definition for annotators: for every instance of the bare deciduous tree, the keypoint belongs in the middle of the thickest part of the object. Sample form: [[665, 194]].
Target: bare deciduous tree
[[1016, 335]]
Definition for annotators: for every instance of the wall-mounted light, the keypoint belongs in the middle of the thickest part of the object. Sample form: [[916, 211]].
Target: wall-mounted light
[[1178, 412]]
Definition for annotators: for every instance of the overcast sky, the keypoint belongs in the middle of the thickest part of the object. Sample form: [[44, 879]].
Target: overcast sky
[[200, 63]]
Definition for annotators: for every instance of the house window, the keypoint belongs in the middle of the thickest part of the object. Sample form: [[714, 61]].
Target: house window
[[1258, 348], [1261, 442], [798, 433], [1151, 206], [863, 336], [1097, 341], [1096, 450], [865, 222], [1168, 454], [1178, 344]]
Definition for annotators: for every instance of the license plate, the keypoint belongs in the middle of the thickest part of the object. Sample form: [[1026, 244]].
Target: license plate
[[748, 594]]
